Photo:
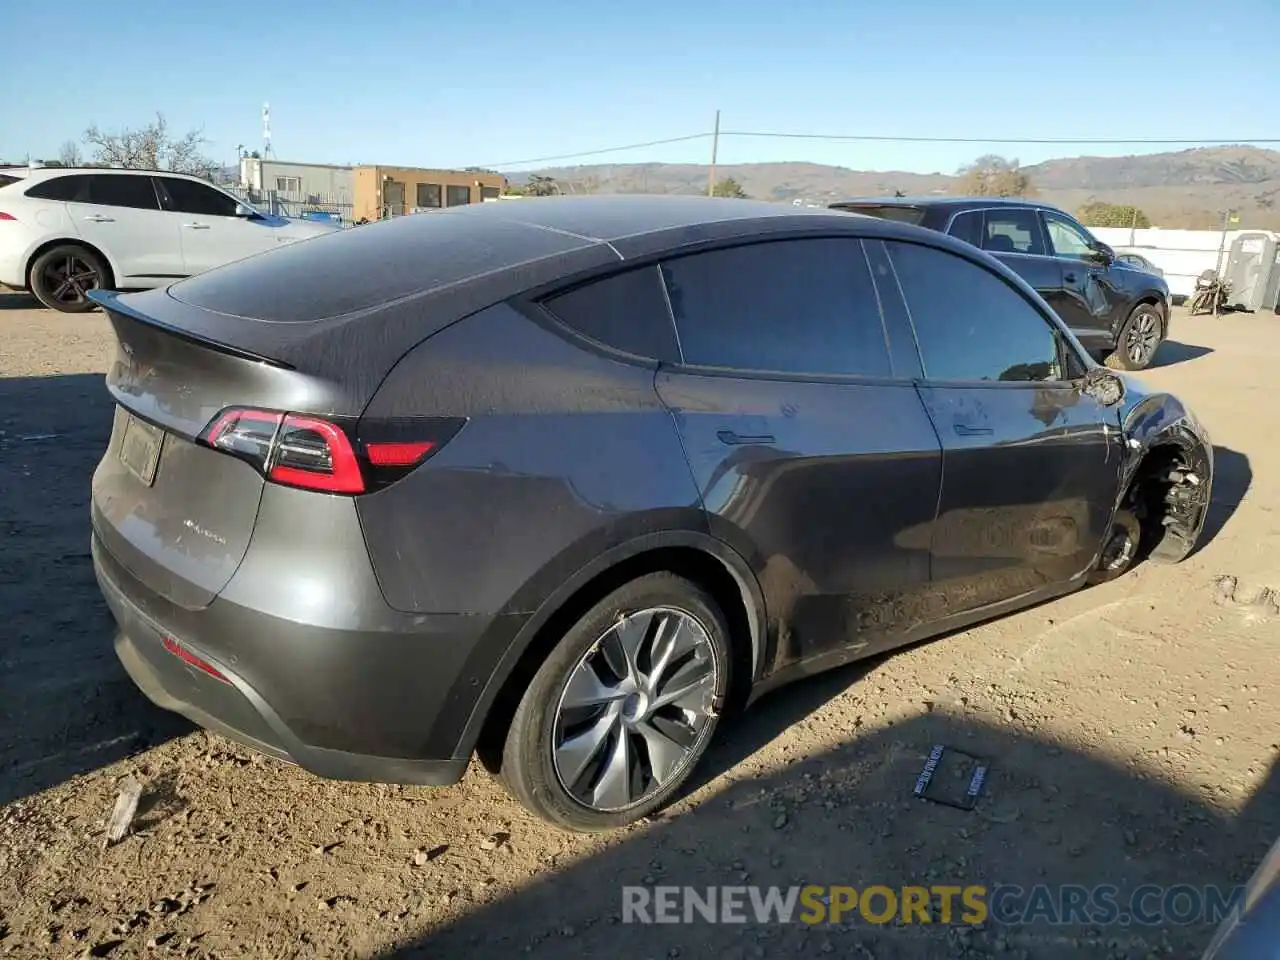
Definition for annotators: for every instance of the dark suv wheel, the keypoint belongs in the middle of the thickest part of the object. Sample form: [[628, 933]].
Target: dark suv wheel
[[62, 277], [1139, 339], [623, 708]]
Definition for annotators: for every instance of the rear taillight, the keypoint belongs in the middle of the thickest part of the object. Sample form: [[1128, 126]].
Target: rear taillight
[[7, 216], [312, 453]]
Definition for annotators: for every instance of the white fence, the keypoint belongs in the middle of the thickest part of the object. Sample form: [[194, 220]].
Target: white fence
[[1182, 254]]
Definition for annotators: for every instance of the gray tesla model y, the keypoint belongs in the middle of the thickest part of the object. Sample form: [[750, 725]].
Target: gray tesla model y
[[561, 482]]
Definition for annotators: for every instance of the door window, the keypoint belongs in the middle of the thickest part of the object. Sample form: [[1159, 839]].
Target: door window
[[970, 324], [1013, 230], [968, 227], [123, 190], [1067, 239], [792, 306], [188, 196], [627, 311]]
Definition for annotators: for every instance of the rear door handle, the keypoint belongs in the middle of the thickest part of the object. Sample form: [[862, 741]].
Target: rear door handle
[[741, 439], [965, 430], [1069, 277], [196, 226], [99, 218]]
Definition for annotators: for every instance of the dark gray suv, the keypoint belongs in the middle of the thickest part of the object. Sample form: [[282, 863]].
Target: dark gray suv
[[562, 481]]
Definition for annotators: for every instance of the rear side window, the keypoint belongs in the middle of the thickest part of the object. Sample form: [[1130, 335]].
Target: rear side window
[[123, 190], [1016, 230], [188, 196], [73, 188], [6, 180], [969, 323], [788, 306], [968, 227], [627, 311]]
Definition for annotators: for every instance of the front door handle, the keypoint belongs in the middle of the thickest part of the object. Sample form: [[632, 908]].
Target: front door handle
[[196, 226], [99, 218], [734, 439], [964, 430]]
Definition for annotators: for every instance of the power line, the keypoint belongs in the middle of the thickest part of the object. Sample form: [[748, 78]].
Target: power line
[[881, 138], [1050, 141], [596, 153]]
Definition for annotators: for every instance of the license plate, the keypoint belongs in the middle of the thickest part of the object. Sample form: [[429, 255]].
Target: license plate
[[140, 448]]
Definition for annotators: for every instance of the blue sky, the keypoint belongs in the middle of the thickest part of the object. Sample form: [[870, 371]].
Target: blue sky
[[456, 83]]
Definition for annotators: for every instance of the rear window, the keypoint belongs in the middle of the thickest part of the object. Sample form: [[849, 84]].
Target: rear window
[[900, 212], [360, 268]]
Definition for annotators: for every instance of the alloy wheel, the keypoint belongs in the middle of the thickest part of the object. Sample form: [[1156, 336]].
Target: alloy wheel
[[68, 279], [636, 709], [1143, 338]]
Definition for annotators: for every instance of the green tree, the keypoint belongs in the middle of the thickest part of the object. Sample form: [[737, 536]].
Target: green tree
[[1099, 213], [993, 176], [540, 186], [729, 187]]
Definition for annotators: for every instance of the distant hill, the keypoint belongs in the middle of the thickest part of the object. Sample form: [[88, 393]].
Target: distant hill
[[1187, 188]]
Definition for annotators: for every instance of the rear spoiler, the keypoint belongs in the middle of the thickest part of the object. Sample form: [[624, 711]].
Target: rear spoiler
[[110, 301]]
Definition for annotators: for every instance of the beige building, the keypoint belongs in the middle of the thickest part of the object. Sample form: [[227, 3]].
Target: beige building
[[382, 192]]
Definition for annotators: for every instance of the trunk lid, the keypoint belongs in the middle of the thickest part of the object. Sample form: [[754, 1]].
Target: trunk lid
[[177, 514]]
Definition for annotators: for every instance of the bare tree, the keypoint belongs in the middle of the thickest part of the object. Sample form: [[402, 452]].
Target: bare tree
[[150, 148], [69, 155], [993, 176]]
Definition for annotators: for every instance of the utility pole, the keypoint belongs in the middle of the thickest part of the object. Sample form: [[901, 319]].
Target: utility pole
[[1222, 240], [715, 149]]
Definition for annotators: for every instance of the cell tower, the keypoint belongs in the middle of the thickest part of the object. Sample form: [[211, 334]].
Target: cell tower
[[266, 130]]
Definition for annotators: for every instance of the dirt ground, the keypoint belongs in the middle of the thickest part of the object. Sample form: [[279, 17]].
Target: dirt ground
[[1131, 731]]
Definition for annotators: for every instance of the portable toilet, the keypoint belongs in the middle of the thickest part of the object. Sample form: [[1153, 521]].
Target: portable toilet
[[1253, 270]]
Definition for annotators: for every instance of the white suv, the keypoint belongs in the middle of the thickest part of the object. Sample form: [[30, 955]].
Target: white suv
[[65, 231]]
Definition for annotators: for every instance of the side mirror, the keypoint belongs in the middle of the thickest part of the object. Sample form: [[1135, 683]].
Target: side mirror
[[244, 210], [1104, 386], [1103, 253]]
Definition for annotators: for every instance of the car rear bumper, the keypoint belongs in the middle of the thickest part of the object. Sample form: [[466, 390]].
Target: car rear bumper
[[342, 704], [12, 269]]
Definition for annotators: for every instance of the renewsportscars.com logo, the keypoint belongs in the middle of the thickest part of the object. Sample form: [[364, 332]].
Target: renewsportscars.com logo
[[1006, 904]]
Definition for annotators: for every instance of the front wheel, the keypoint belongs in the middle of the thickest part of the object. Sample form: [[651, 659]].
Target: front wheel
[[62, 277], [1139, 339], [621, 711]]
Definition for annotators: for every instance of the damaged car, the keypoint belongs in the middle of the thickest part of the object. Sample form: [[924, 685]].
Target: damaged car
[[564, 484]]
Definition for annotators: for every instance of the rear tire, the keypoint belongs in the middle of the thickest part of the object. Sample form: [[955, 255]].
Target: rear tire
[[1139, 339], [594, 711], [61, 277]]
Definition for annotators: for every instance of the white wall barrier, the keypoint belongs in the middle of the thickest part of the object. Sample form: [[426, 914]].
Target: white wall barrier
[[1182, 254]]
